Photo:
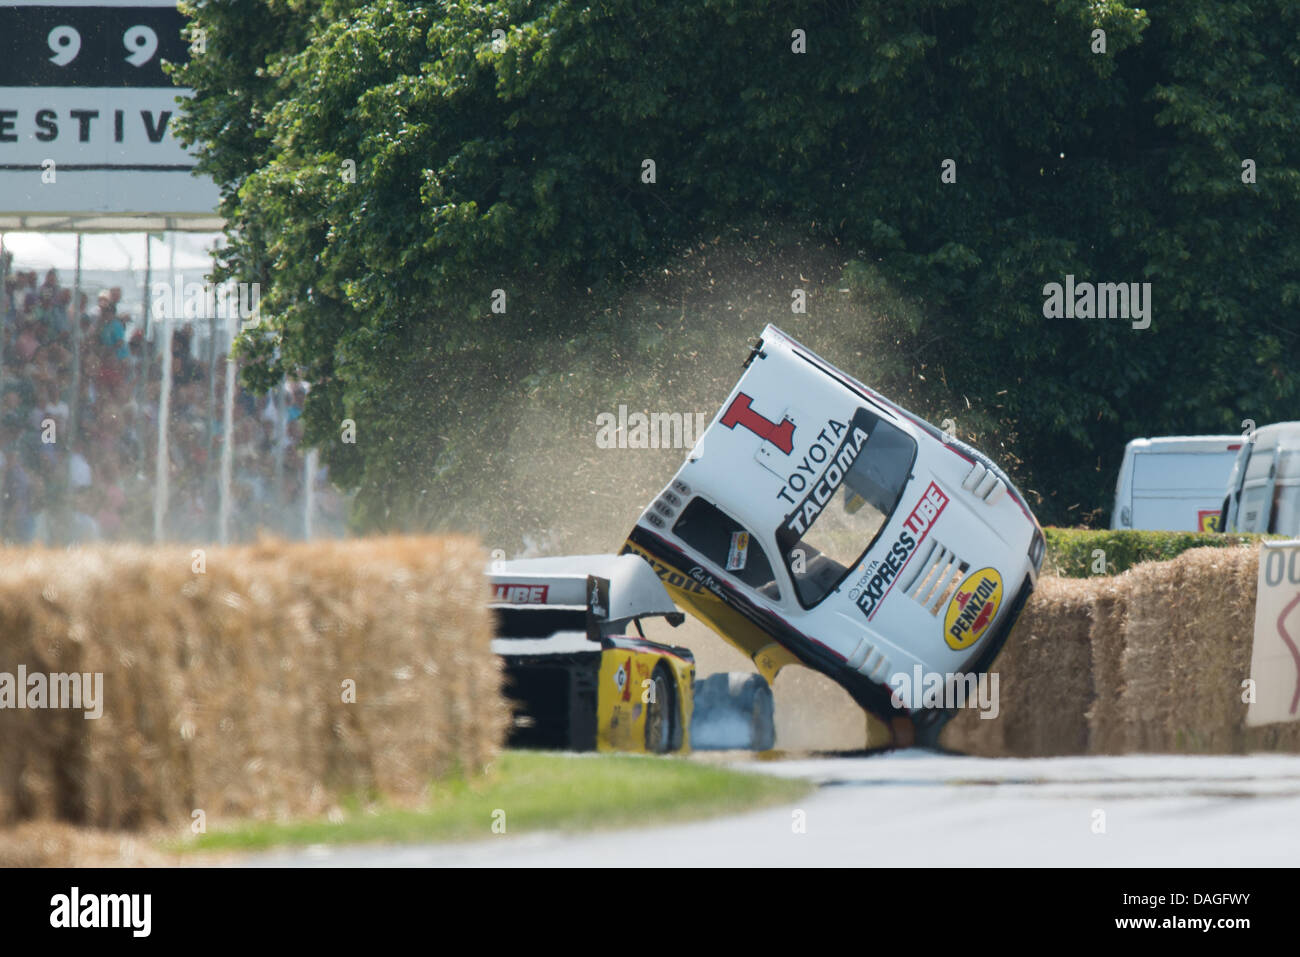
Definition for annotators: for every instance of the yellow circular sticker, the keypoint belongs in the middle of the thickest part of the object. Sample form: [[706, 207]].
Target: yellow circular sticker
[[972, 608]]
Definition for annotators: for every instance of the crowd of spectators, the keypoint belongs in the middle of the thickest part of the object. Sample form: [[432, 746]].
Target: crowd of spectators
[[79, 429]]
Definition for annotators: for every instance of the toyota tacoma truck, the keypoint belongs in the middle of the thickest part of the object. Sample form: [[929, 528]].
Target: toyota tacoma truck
[[817, 523]]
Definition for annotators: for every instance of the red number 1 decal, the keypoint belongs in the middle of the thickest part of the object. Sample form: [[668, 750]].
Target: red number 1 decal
[[739, 413]]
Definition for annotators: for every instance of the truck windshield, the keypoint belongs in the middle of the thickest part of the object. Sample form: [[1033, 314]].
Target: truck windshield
[[846, 506]]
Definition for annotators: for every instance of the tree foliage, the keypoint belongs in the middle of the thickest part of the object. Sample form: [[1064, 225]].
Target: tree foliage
[[517, 164]]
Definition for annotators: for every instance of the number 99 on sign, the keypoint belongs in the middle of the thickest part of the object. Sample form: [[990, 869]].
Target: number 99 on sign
[[140, 42]]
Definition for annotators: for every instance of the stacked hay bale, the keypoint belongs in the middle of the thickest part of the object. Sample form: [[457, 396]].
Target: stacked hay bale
[[261, 681], [1152, 660]]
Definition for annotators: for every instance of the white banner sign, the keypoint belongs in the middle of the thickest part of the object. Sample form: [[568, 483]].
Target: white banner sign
[[77, 128], [1275, 658]]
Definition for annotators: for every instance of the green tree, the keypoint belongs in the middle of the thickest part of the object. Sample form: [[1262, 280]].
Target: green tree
[[516, 162]]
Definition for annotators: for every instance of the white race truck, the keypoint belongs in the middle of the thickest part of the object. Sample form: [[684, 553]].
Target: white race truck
[[815, 522]]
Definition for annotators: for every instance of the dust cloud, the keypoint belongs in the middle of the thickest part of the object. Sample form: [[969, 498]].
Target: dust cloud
[[675, 344]]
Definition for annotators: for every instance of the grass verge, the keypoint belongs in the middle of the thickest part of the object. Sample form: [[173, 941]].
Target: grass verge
[[536, 791]]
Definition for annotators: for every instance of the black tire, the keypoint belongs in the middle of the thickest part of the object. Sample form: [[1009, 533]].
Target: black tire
[[733, 710], [661, 721]]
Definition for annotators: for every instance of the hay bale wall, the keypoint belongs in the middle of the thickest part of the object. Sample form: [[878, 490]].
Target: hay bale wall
[[1148, 661], [224, 690]]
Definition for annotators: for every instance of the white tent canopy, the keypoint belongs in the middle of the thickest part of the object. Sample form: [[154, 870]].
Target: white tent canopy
[[107, 251]]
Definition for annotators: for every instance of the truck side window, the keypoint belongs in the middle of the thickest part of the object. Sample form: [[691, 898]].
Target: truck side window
[[727, 544]]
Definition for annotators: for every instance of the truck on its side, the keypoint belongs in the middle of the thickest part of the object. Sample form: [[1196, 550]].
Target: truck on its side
[[817, 523]]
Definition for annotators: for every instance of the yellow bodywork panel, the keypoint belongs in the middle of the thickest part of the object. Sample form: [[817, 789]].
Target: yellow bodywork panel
[[771, 659], [623, 697], [733, 627]]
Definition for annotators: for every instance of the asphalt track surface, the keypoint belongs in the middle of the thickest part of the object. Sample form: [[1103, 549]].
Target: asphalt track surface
[[919, 808]]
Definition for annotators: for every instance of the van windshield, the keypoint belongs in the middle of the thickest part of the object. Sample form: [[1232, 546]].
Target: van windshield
[[845, 507]]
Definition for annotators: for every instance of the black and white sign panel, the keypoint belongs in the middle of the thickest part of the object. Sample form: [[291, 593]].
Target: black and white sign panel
[[87, 113], [108, 45]]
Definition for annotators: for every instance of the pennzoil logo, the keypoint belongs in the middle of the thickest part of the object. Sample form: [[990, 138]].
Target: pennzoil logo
[[972, 609]]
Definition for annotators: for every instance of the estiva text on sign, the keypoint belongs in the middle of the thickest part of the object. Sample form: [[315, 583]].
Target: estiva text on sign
[[115, 124], [87, 114]]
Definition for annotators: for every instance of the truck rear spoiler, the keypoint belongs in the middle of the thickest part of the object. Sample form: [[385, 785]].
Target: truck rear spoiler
[[595, 594]]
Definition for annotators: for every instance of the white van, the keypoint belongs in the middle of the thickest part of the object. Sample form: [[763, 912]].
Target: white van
[[1263, 490], [1174, 483]]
